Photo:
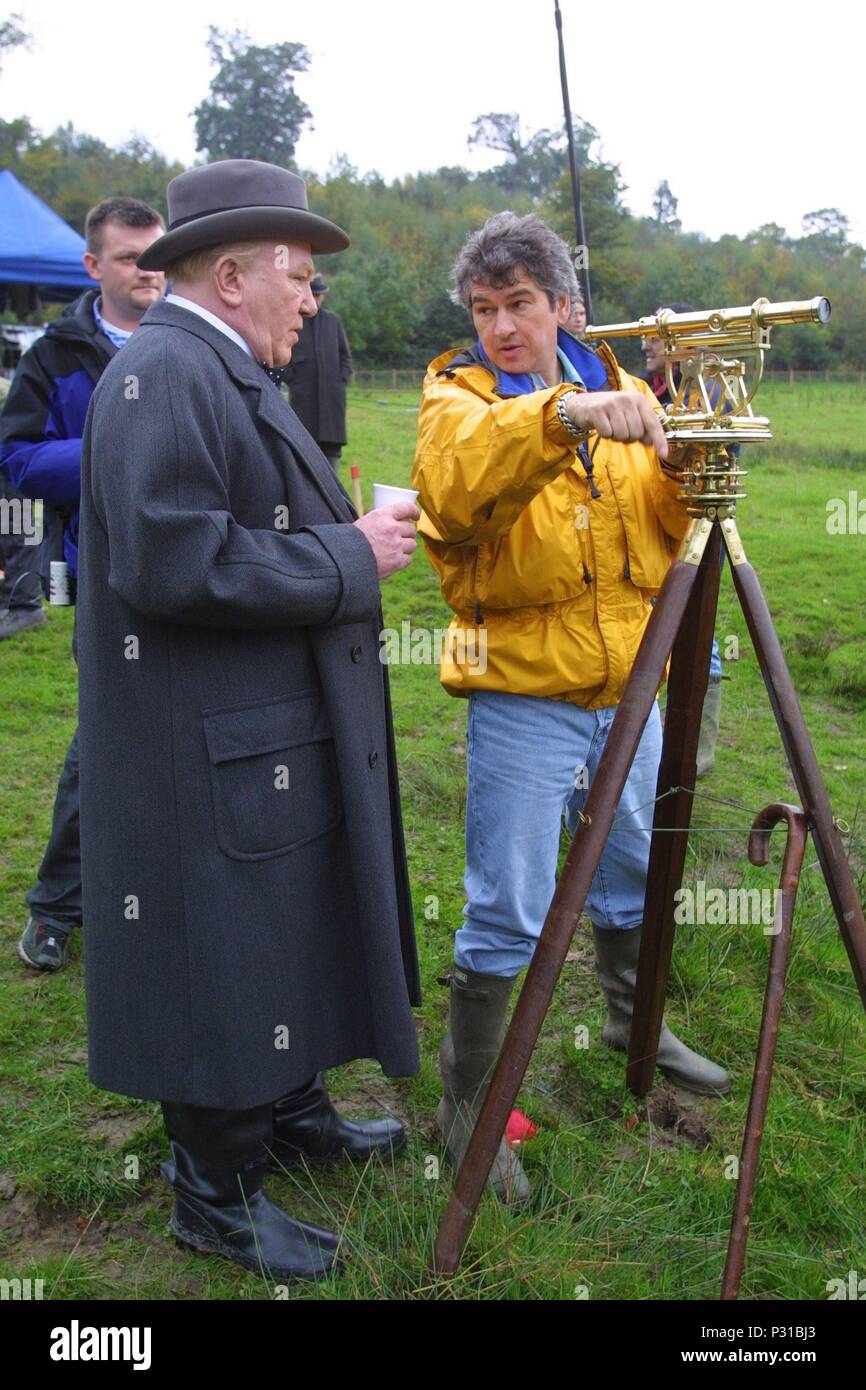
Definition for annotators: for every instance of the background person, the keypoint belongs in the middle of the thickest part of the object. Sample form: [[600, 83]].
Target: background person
[[577, 318], [40, 452], [318, 374]]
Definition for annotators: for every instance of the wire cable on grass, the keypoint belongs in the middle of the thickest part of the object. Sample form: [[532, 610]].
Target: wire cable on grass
[[841, 825]]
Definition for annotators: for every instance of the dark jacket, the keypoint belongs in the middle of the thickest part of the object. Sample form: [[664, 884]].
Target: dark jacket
[[657, 383], [246, 895], [317, 377], [43, 420]]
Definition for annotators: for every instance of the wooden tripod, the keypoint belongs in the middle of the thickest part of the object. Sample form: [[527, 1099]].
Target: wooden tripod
[[681, 625]]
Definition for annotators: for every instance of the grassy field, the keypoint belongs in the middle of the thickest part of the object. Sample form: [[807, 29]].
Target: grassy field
[[630, 1201]]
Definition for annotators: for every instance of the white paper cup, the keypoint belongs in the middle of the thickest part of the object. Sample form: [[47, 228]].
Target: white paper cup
[[384, 495], [58, 589]]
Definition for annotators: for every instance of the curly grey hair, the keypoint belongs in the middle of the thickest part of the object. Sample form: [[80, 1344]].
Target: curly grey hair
[[507, 244]]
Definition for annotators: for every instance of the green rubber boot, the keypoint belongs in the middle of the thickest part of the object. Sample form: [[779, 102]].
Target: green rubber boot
[[709, 734], [616, 958], [467, 1057]]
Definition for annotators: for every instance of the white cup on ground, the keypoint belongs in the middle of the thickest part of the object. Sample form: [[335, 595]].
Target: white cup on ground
[[384, 495]]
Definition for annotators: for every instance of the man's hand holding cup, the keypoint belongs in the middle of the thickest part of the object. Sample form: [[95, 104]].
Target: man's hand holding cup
[[390, 528]]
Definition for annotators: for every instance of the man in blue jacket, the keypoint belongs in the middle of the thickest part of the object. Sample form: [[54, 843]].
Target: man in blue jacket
[[40, 453]]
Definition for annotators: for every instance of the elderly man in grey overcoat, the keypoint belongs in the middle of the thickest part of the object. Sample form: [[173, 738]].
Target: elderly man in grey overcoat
[[249, 920]]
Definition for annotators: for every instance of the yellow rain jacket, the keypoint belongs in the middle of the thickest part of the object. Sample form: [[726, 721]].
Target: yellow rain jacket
[[550, 587]]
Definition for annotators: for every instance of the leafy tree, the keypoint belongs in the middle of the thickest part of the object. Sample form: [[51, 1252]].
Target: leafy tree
[[665, 206], [377, 301], [827, 232], [16, 137], [71, 170], [498, 130], [826, 222], [443, 324], [769, 233], [606, 225], [534, 165], [12, 35], [253, 111]]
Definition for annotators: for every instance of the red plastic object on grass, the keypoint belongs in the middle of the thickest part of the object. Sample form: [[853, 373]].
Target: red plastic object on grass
[[519, 1128]]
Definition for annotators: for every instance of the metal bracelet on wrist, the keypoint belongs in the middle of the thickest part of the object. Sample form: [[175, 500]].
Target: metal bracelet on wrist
[[565, 419]]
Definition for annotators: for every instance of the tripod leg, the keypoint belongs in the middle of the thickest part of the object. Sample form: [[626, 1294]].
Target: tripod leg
[[801, 757], [567, 904], [687, 686]]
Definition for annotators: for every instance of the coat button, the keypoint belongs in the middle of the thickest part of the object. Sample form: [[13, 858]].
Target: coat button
[[373, 758], [356, 653]]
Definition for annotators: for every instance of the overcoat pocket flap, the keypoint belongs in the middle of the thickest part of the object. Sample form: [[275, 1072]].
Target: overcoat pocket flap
[[267, 726]]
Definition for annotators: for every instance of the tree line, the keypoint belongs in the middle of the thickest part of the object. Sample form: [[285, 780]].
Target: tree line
[[391, 288]]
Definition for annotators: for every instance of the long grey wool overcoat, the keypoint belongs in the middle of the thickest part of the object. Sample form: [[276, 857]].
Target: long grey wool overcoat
[[247, 914]]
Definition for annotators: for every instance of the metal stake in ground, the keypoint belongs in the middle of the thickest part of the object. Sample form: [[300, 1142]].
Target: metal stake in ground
[[759, 849]]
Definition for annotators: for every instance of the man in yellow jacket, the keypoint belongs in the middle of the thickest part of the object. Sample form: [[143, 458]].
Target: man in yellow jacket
[[550, 552]]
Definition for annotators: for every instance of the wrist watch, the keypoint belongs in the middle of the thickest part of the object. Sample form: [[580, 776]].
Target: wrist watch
[[566, 420]]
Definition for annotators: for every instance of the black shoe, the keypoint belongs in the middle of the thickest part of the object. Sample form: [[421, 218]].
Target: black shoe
[[16, 620], [218, 1165], [43, 947], [308, 1128]]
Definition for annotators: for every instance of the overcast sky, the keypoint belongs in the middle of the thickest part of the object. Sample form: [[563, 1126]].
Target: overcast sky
[[752, 112]]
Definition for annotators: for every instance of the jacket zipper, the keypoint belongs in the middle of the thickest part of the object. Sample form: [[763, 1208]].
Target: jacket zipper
[[587, 461], [479, 616]]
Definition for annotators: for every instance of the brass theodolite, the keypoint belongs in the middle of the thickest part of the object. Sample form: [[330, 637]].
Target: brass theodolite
[[714, 362]]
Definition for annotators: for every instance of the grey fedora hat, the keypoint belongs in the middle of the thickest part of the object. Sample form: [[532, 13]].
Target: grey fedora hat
[[238, 200]]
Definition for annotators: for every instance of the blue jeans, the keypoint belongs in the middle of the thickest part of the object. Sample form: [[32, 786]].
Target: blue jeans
[[524, 758]]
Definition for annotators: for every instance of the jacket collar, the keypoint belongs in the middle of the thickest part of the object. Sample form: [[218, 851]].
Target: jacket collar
[[596, 368], [272, 407], [77, 324]]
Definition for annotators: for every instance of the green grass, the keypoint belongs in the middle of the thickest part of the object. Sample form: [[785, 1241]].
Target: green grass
[[630, 1200]]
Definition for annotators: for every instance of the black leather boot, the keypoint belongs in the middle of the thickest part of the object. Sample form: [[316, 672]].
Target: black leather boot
[[308, 1127], [218, 1164]]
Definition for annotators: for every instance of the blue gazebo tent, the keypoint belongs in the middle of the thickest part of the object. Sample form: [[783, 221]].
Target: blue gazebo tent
[[36, 246]]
